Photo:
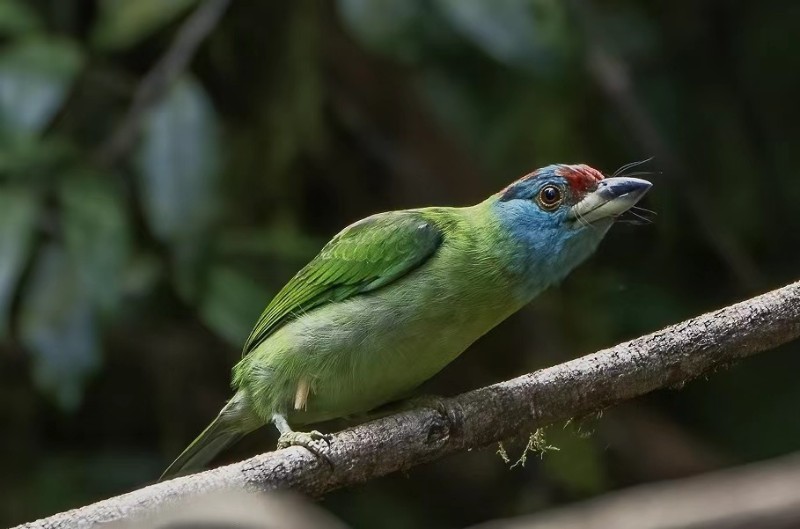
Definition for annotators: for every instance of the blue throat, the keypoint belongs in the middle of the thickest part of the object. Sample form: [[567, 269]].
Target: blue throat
[[541, 248]]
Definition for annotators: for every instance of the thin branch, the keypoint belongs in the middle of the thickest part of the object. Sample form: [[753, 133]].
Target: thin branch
[[763, 495], [666, 358], [612, 75], [159, 79]]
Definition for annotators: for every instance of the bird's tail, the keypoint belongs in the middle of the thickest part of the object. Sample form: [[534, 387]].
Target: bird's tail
[[233, 422]]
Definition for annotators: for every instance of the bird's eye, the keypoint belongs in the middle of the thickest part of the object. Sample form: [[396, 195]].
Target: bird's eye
[[549, 197]]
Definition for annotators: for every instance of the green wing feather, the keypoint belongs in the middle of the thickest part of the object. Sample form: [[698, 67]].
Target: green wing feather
[[363, 257]]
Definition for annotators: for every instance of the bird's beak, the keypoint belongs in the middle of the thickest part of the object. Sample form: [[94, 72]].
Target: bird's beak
[[612, 197]]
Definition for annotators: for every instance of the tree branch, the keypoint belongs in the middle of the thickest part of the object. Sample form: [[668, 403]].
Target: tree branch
[[763, 495], [612, 75], [666, 358], [158, 80]]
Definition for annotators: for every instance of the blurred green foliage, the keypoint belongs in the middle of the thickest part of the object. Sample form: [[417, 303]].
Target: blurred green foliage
[[127, 287], [121, 25]]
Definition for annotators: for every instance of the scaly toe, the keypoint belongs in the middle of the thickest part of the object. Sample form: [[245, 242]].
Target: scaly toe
[[308, 440], [319, 436]]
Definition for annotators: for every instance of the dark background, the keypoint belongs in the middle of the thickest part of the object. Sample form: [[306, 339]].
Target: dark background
[[129, 278]]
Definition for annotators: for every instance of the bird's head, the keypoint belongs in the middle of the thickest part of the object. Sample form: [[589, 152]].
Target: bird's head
[[559, 214]]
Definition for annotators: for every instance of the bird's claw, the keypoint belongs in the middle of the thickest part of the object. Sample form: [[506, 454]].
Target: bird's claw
[[303, 438], [309, 440]]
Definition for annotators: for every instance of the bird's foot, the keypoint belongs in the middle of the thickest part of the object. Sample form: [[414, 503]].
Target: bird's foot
[[303, 438], [311, 441]]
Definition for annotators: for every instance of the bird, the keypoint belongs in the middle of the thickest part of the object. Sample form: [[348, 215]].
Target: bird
[[394, 297]]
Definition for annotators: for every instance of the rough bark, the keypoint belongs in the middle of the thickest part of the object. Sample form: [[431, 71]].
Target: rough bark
[[666, 358]]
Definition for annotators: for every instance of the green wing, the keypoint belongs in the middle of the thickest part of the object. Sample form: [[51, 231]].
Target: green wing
[[364, 256]]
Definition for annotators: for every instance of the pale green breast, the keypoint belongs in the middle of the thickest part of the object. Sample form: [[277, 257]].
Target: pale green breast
[[373, 348]]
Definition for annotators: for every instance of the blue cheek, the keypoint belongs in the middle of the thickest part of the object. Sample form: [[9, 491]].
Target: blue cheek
[[544, 247]]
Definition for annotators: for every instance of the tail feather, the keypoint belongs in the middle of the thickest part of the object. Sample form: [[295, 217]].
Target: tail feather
[[229, 426]]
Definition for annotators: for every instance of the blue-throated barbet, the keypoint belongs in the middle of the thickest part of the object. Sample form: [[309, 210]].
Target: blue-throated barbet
[[395, 297]]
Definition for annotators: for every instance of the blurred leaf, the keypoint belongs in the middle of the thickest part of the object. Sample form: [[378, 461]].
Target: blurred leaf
[[123, 23], [232, 303], [18, 208], [178, 162], [58, 326], [33, 161], [388, 26], [97, 235], [35, 76], [520, 33], [17, 18]]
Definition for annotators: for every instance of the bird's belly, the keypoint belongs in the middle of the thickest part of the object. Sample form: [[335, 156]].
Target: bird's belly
[[372, 349]]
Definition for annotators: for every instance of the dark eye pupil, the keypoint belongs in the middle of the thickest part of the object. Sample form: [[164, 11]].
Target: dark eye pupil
[[550, 194]]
